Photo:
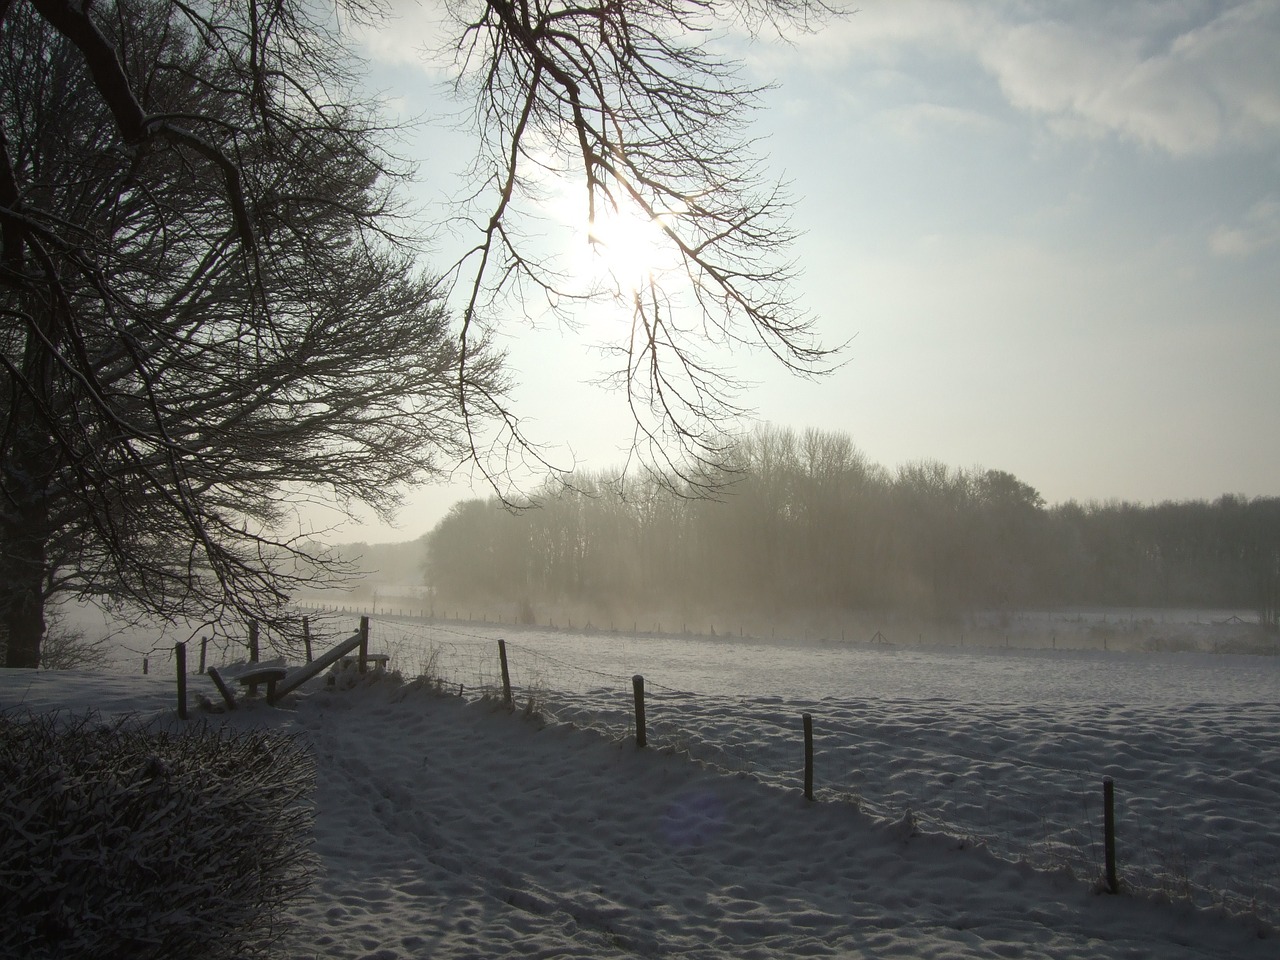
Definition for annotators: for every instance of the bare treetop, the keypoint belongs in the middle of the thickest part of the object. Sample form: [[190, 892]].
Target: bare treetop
[[207, 310], [630, 101], [206, 302]]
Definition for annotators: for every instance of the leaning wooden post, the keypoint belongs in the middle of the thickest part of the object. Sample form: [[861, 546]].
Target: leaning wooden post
[[637, 685], [306, 636], [364, 643], [1109, 832], [808, 755], [204, 650], [506, 675], [180, 656]]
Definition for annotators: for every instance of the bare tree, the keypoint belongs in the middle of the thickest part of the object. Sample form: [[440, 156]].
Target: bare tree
[[204, 308], [630, 100], [204, 301]]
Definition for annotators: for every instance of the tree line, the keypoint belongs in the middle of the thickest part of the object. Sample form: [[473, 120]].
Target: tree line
[[807, 522]]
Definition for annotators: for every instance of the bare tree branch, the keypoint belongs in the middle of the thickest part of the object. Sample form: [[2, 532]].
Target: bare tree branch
[[628, 100], [205, 303]]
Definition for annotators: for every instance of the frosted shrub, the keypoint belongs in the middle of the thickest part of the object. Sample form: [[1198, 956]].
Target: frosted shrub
[[120, 842]]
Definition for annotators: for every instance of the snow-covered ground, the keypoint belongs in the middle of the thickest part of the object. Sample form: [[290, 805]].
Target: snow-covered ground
[[958, 811]]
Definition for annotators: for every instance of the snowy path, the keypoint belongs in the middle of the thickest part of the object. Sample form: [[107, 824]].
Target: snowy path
[[450, 830]]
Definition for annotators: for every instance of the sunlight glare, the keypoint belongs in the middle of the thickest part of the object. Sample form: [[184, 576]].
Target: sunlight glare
[[628, 249]]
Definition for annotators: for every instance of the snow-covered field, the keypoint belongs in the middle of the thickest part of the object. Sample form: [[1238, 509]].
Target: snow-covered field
[[1003, 748], [958, 813]]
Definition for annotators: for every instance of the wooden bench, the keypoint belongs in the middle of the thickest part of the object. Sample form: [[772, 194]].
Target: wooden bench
[[379, 660], [279, 679], [248, 675]]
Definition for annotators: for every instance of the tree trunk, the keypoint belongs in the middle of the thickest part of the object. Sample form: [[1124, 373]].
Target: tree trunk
[[24, 530], [27, 469], [23, 623]]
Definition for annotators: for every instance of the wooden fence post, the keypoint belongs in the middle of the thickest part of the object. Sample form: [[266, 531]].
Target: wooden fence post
[[364, 643], [306, 636], [254, 652], [506, 675], [204, 650], [146, 666], [808, 755], [637, 686], [180, 656], [1109, 832]]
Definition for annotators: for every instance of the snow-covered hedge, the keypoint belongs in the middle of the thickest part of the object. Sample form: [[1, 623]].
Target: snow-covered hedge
[[121, 842]]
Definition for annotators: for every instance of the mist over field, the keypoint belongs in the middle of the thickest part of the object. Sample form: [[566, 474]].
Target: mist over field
[[810, 539], [278, 275]]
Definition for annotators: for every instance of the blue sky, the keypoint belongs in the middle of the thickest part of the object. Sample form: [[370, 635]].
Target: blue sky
[[1050, 233]]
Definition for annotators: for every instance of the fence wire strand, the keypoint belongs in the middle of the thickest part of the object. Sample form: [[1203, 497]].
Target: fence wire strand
[[880, 764]]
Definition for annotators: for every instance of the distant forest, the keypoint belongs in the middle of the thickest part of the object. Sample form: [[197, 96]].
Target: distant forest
[[806, 522]]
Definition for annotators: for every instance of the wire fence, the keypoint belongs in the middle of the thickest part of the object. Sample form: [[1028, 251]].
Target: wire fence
[[1198, 822], [975, 777], [1022, 780]]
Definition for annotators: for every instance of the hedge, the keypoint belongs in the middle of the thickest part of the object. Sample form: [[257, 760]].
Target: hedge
[[118, 841]]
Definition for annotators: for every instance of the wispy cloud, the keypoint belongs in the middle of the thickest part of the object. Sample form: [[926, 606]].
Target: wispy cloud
[[1258, 230], [919, 121], [1186, 78], [1215, 84], [412, 33]]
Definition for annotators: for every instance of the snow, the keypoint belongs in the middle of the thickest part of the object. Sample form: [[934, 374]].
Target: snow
[[958, 810]]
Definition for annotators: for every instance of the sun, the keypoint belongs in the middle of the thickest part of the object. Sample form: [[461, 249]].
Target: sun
[[629, 250], [617, 247]]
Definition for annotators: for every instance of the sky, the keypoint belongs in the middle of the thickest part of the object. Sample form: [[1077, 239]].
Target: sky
[[1048, 232]]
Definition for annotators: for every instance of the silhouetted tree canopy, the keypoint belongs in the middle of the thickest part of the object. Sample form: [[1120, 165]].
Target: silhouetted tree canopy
[[632, 102], [204, 307], [206, 303]]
